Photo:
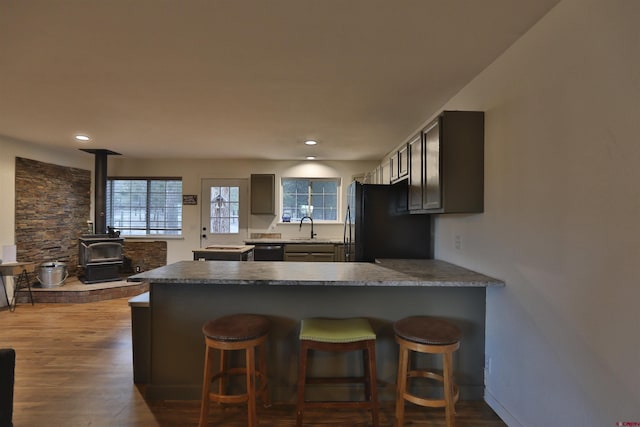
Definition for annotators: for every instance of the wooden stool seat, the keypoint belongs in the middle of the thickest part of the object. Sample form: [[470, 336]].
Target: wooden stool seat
[[236, 327], [338, 335], [424, 334], [246, 332]]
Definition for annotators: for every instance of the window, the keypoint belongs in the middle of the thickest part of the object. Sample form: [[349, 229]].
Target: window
[[314, 197], [145, 206], [225, 210]]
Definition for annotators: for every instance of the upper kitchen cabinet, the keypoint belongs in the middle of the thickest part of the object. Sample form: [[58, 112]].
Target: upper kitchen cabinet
[[263, 194], [399, 164], [448, 162], [379, 175], [415, 173], [384, 176]]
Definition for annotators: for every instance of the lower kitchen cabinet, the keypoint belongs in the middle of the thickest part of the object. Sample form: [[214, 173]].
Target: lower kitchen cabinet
[[309, 252]]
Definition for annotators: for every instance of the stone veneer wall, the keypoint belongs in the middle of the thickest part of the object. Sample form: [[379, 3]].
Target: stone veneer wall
[[146, 255], [53, 204]]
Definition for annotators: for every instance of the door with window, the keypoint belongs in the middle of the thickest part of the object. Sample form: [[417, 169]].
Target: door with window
[[224, 214]]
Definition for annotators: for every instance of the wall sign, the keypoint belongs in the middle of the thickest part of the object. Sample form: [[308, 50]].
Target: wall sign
[[189, 199]]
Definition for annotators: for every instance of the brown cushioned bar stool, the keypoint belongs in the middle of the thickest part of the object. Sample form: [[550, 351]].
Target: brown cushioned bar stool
[[423, 334], [338, 335], [246, 332]]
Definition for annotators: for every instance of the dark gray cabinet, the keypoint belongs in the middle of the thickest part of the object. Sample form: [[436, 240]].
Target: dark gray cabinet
[[431, 188], [403, 162], [447, 165], [309, 252], [263, 194], [393, 167], [415, 174], [399, 164]]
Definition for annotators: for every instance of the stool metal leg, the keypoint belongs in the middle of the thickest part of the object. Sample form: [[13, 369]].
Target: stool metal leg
[[21, 281], [25, 278], [6, 295]]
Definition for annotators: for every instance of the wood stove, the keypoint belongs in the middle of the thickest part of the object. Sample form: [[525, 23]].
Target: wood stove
[[101, 257]]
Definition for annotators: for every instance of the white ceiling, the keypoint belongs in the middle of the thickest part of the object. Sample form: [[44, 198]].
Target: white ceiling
[[244, 78]]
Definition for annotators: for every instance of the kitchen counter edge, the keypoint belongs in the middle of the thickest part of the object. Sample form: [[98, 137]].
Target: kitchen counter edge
[[385, 272]]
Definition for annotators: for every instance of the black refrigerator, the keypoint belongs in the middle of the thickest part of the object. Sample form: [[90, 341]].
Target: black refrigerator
[[377, 225]]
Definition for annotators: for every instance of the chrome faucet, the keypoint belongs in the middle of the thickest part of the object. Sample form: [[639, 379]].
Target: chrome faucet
[[310, 219]]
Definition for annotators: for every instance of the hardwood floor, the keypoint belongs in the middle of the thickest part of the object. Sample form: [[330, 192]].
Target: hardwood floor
[[73, 368]]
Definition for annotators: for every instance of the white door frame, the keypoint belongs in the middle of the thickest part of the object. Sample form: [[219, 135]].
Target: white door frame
[[206, 237]]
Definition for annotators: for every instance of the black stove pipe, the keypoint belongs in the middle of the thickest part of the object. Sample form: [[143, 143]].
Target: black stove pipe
[[100, 188]]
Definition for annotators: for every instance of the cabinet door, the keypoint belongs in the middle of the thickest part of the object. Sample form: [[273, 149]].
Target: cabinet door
[[415, 173], [403, 162], [432, 191], [393, 167], [296, 256], [263, 194], [321, 257], [384, 173]]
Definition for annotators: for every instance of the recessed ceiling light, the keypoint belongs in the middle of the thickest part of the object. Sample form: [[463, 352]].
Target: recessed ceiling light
[[82, 138], [310, 142], [311, 157]]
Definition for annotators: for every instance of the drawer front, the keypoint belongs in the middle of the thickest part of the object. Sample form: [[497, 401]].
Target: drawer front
[[322, 257], [303, 247]]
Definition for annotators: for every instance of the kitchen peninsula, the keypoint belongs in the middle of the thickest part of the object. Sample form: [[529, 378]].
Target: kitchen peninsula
[[185, 294]]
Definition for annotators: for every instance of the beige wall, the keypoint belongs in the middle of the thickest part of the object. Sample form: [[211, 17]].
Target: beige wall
[[560, 226]]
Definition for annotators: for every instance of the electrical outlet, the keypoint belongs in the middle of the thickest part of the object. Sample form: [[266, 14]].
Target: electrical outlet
[[457, 242], [137, 269], [487, 365]]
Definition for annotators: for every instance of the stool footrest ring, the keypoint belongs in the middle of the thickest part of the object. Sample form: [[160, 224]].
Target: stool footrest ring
[[430, 403], [241, 397]]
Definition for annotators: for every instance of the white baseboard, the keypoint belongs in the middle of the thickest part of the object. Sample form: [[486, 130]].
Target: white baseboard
[[500, 410]]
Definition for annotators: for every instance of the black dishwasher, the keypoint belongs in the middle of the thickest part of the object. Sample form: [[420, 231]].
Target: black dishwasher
[[268, 252]]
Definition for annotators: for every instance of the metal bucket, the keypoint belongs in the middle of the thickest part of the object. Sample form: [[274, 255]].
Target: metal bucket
[[52, 274]]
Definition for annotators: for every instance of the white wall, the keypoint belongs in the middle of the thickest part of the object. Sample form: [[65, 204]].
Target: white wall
[[560, 226], [193, 171]]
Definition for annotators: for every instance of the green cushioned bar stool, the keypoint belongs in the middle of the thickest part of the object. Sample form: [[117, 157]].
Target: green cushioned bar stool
[[424, 334], [244, 332], [338, 335]]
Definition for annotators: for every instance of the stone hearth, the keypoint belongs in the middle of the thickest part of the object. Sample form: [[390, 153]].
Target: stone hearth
[[75, 291]]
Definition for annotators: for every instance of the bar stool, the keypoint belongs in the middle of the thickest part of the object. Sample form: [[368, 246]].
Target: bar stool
[[338, 335], [246, 332], [433, 335]]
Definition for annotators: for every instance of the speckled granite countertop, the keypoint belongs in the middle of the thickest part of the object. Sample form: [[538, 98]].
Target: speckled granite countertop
[[386, 273], [439, 273], [225, 248], [269, 241]]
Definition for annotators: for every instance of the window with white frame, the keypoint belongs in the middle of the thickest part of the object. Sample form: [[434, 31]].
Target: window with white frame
[[314, 197], [225, 210], [145, 206]]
